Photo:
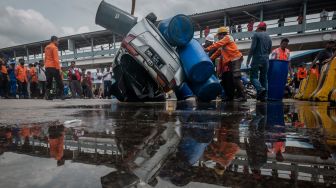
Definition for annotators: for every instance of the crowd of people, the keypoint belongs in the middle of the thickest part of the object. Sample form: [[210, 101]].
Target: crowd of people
[[227, 56], [46, 79]]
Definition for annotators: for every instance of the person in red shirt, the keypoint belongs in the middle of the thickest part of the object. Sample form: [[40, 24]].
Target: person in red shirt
[[53, 68], [74, 75], [250, 25]]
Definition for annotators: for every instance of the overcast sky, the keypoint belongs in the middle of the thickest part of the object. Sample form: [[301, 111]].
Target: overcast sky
[[24, 21]]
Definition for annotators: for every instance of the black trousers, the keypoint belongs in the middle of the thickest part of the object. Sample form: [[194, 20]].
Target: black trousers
[[22, 88], [34, 92], [42, 88], [54, 74], [227, 84], [4, 85]]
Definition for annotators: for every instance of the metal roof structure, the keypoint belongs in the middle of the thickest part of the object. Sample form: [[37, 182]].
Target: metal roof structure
[[272, 9]]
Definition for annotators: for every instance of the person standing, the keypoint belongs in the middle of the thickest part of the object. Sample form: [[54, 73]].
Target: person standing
[[99, 82], [334, 18], [74, 76], [231, 57], [4, 79], [324, 55], [42, 79], [53, 68], [12, 79], [324, 17], [281, 22], [107, 77], [259, 52], [301, 73], [22, 79], [206, 31], [33, 81], [250, 25], [300, 21]]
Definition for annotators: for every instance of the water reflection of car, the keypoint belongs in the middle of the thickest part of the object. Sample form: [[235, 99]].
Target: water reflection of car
[[145, 66]]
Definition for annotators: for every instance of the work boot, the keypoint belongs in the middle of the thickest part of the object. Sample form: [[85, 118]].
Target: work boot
[[262, 96]]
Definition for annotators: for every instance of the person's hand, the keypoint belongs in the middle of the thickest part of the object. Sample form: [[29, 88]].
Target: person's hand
[[206, 50]]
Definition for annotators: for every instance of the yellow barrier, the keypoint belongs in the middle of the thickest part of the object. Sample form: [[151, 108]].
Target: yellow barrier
[[301, 89], [310, 86], [326, 82], [332, 96], [307, 117], [328, 123]]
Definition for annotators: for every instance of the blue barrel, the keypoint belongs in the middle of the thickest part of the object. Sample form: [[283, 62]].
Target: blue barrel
[[208, 90], [277, 78], [196, 63], [183, 92], [178, 30]]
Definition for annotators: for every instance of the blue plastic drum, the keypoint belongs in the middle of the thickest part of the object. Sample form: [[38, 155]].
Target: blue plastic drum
[[183, 92], [178, 30], [277, 79], [208, 90], [196, 63]]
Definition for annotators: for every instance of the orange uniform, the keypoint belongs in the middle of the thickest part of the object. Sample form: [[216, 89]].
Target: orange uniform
[[228, 49], [314, 71], [21, 73], [280, 54], [302, 73], [51, 57], [57, 147], [4, 69], [33, 74]]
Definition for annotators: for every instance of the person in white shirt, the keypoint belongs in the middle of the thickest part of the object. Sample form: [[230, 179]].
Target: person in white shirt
[[98, 81], [107, 77], [324, 17], [42, 79]]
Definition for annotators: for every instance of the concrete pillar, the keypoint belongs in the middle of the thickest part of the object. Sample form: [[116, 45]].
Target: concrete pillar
[[201, 33], [27, 52], [92, 52], [114, 41], [304, 16], [42, 51], [14, 55], [262, 14], [225, 20]]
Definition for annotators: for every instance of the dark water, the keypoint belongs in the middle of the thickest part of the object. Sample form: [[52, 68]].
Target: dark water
[[174, 145]]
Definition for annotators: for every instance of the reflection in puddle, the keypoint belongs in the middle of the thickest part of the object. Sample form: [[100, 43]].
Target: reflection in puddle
[[177, 144]]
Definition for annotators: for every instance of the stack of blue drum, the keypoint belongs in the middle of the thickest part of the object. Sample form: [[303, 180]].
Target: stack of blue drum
[[198, 68]]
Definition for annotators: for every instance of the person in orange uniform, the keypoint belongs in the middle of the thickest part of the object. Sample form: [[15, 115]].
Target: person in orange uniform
[[282, 53], [33, 81], [314, 71], [302, 73], [56, 142], [22, 80], [53, 68], [231, 57], [4, 79]]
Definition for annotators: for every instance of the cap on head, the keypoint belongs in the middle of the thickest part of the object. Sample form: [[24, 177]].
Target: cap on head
[[262, 25], [223, 30], [210, 38]]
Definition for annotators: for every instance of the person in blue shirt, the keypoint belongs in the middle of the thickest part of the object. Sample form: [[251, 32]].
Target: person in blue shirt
[[12, 79], [261, 48]]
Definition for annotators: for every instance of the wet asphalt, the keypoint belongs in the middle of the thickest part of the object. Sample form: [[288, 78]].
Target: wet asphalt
[[99, 143]]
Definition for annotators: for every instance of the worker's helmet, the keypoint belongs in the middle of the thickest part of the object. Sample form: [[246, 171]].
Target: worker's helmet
[[210, 38], [223, 30], [262, 25]]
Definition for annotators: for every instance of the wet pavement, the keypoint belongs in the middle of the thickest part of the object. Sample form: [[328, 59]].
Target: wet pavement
[[171, 144]]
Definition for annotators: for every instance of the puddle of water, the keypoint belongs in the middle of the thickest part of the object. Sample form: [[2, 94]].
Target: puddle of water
[[176, 144]]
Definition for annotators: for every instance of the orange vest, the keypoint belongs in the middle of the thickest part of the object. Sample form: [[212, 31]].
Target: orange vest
[[280, 54], [33, 74], [51, 57], [21, 73], [4, 69], [229, 49], [302, 73]]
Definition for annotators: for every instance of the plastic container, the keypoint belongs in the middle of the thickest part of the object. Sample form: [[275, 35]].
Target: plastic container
[[208, 90], [114, 19], [196, 63], [277, 78], [178, 30], [183, 92]]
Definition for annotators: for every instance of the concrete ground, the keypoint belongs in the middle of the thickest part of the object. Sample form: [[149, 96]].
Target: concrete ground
[[33, 111]]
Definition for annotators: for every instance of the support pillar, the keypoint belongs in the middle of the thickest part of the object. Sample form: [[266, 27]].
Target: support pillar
[[262, 14], [114, 41], [14, 52], [42, 51], [225, 20], [201, 33], [92, 52], [304, 16], [27, 52]]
